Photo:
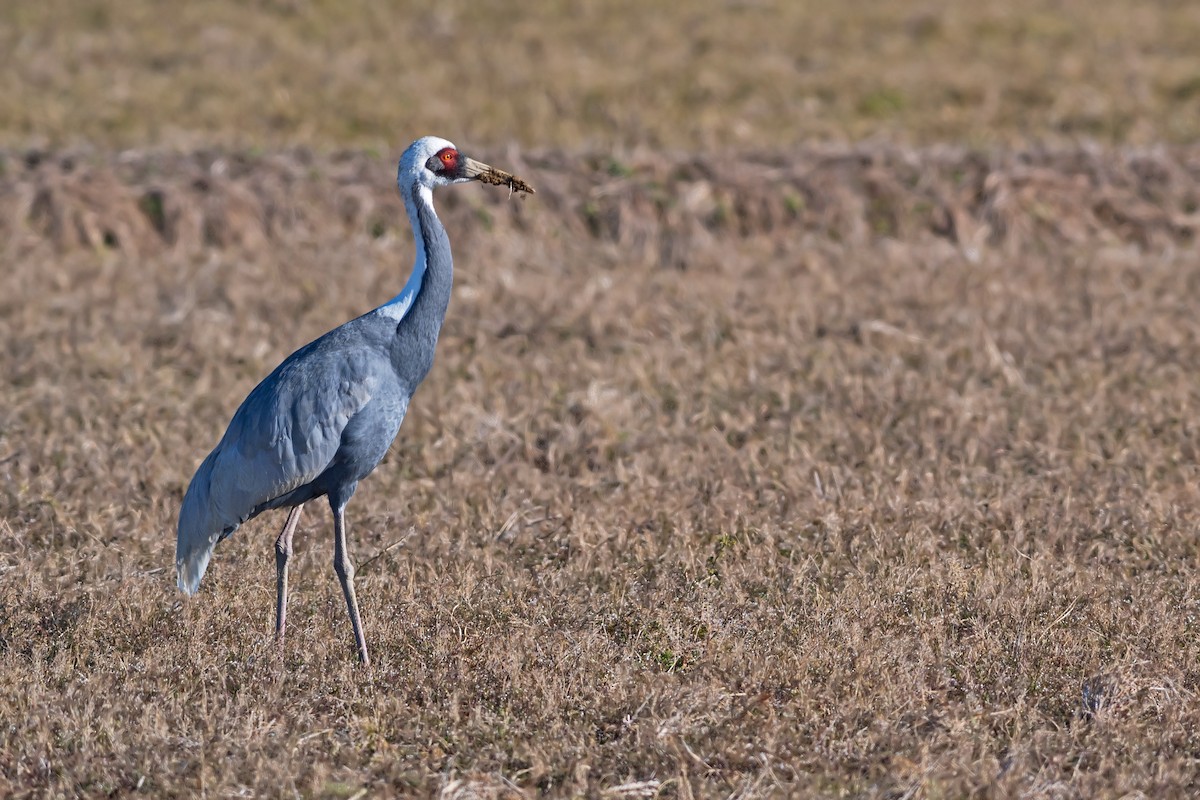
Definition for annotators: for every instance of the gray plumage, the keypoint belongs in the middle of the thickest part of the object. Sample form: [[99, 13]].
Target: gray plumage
[[325, 417]]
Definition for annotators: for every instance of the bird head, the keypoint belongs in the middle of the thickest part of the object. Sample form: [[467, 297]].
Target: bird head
[[432, 162]]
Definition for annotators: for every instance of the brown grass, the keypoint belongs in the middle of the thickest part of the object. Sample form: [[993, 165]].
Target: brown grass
[[752, 464], [869, 473]]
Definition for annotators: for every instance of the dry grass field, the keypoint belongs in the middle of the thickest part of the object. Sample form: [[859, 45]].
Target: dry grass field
[[788, 442], [597, 73]]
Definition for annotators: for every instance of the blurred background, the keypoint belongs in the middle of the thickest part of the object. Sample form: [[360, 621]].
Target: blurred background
[[596, 74]]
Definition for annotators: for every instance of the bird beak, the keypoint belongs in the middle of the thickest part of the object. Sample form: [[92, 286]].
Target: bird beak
[[474, 169], [477, 170]]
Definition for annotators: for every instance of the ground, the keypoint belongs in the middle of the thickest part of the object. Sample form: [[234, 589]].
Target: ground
[[824, 426]]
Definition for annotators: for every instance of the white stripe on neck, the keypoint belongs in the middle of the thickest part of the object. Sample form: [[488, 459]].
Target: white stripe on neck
[[399, 305]]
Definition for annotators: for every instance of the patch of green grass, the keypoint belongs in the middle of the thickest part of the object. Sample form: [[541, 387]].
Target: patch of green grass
[[881, 103]]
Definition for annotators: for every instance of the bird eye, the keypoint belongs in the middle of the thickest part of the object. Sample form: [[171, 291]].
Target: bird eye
[[448, 156]]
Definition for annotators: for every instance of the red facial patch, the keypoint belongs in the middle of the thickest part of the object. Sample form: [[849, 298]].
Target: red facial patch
[[448, 158]]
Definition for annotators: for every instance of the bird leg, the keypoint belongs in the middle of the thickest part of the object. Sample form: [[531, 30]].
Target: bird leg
[[283, 551], [345, 572]]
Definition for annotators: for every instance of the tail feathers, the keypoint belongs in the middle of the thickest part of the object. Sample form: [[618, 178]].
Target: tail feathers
[[190, 569], [193, 549], [200, 527]]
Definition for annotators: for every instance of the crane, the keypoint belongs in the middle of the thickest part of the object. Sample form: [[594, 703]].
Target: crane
[[323, 420]]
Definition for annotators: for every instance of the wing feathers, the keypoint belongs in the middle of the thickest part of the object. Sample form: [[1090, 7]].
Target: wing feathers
[[284, 435]]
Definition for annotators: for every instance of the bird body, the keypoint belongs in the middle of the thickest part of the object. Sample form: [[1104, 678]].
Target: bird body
[[325, 417], [296, 437]]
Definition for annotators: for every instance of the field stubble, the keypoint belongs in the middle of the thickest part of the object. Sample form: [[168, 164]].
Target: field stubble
[[870, 473]]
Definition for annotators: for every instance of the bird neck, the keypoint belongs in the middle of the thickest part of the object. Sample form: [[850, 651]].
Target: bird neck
[[426, 294], [416, 314]]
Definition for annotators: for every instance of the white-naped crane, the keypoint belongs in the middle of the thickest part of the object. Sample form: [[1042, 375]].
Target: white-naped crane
[[326, 416]]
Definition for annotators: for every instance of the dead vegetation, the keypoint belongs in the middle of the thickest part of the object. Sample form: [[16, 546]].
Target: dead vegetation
[[858, 472], [497, 177], [752, 463], [667, 211]]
